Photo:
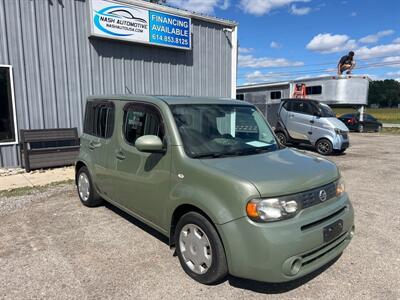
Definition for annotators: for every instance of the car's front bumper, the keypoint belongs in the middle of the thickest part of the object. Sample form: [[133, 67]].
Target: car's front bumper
[[272, 252], [341, 141]]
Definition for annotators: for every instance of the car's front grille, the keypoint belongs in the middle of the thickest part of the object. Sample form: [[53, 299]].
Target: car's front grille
[[316, 196]]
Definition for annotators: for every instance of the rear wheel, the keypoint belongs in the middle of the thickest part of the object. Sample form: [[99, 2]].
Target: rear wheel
[[324, 147], [86, 191], [281, 138], [200, 250]]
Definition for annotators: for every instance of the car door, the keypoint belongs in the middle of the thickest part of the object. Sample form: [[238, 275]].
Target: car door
[[370, 122], [141, 181], [99, 125], [299, 119]]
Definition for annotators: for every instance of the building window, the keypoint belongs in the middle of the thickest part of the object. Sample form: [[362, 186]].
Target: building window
[[99, 119], [276, 95], [314, 90], [240, 97], [7, 124]]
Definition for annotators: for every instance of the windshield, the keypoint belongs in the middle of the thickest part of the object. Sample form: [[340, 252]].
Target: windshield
[[326, 111], [218, 130]]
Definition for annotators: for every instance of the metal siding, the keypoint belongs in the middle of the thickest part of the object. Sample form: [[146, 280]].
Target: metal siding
[[56, 66]]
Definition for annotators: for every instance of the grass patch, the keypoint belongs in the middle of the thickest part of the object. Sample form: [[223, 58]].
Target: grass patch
[[32, 190], [385, 115], [391, 130]]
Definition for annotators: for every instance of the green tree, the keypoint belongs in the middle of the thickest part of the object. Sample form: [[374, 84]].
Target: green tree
[[386, 93]]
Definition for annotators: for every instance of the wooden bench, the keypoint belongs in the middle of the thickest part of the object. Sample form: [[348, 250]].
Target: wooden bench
[[45, 148]]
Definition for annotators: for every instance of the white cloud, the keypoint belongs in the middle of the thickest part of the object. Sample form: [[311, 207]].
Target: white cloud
[[257, 77], [261, 7], [301, 11], [275, 45], [397, 40], [329, 43], [353, 14], [249, 61], [392, 74], [200, 6], [391, 59], [243, 50], [378, 51], [373, 38]]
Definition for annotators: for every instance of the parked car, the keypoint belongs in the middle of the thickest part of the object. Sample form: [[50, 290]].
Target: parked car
[[306, 121], [352, 121], [210, 175]]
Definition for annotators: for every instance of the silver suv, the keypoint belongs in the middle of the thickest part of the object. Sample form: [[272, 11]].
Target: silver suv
[[305, 121]]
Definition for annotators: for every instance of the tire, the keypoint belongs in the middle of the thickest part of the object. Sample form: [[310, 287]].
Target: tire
[[209, 265], [86, 192], [281, 138], [360, 128], [324, 147]]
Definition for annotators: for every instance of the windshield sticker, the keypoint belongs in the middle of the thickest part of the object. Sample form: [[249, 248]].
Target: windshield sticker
[[257, 144]]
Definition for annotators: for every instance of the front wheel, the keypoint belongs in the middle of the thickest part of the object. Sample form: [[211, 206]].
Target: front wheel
[[200, 250], [324, 147], [282, 138]]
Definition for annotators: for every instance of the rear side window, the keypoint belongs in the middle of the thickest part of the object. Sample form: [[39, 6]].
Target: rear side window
[[140, 120], [276, 95], [314, 90], [99, 119]]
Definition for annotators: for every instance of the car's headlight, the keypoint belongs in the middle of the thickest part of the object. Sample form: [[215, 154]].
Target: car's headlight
[[339, 131], [340, 187], [269, 210]]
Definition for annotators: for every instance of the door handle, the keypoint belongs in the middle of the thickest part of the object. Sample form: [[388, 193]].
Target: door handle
[[93, 145], [291, 116], [120, 155], [312, 121]]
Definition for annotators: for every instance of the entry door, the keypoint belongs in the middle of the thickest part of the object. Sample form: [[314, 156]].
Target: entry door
[[299, 120], [142, 179]]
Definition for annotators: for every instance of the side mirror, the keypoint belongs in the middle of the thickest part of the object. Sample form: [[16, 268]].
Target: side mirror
[[317, 114], [150, 143]]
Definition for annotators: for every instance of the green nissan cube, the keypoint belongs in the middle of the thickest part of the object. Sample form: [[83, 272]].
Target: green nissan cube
[[210, 175]]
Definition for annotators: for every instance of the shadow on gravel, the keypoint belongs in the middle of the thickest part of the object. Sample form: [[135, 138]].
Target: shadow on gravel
[[277, 288], [255, 286], [137, 223]]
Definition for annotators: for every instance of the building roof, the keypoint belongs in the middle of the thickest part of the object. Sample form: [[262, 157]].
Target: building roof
[[181, 12], [170, 100]]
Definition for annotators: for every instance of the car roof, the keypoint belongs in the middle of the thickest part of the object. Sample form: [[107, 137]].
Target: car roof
[[300, 99], [170, 100]]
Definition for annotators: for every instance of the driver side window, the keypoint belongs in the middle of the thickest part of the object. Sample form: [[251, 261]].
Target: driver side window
[[302, 108], [140, 120]]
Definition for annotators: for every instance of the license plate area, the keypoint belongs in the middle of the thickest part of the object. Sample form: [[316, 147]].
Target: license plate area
[[333, 230]]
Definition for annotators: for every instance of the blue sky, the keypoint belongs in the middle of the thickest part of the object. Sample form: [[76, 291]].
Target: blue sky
[[288, 39]]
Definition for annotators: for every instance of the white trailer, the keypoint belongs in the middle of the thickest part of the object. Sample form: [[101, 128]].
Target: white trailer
[[336, 90]]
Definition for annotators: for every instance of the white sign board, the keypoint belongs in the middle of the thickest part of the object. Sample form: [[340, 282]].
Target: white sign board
[[131, 23]]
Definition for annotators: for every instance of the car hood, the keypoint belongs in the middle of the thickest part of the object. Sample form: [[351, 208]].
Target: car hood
[[280, 172], [335, 123]]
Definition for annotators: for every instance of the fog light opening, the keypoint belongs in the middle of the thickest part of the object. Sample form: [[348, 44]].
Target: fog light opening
[[351, 233], [296, 266]]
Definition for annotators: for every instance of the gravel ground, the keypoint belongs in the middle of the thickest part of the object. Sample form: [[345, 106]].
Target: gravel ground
[[53, 247]]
